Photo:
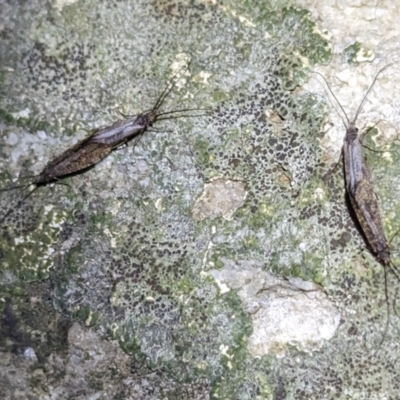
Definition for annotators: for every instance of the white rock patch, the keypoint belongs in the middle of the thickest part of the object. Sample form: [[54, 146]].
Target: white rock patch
[[220, 198], [284, 312]]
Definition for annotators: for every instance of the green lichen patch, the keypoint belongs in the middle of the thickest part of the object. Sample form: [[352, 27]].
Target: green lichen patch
[[27, 245], [355, 53]]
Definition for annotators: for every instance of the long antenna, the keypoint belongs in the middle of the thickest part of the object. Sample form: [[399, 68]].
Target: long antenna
[[363, 100], [183, 110], [369, 89], [333, 94], [167, 90], [181, 116]]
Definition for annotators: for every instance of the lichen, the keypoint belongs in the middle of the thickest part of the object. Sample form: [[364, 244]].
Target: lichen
[[355, 54], [119, 249]]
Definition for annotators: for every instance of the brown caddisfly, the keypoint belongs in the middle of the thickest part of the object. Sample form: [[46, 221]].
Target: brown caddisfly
[[363, 199], [100, 143]]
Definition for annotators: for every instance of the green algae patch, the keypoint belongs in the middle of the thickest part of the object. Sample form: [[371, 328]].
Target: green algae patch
[[29, 252], [301, 35]]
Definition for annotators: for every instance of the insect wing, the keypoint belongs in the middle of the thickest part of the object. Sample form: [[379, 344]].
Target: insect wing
[[77, 158], [120, 131], [365, 205], [354, 163]]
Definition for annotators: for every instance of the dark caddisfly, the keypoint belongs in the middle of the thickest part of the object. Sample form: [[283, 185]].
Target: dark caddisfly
[[361, 194], [100, 143]]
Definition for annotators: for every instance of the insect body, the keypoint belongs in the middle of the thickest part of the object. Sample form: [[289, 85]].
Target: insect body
[[360, 189], [100, 143], [362, 197], [359, 186], [97, 146]]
